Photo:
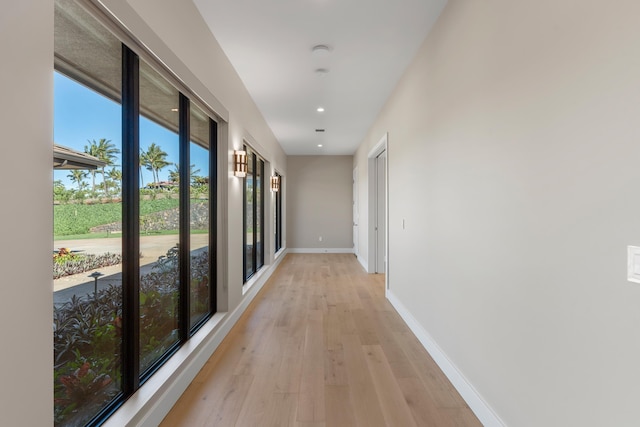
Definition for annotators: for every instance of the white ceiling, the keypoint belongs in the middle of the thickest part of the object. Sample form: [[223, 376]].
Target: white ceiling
[[269, 42]]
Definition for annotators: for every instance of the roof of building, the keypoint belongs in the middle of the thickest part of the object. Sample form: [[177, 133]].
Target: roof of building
[[67, 158]]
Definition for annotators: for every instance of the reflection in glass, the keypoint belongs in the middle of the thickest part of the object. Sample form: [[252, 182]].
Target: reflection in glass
[[199, 216], [159, 216]]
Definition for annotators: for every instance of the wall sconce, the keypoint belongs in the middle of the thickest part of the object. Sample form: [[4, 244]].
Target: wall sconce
[[275, 183], [240, 163]]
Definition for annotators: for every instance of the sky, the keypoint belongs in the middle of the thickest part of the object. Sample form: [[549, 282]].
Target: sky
[[82, 115]]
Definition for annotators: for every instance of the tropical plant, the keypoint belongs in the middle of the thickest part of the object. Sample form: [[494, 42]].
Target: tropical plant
[[92, 150], [199, 181], [86, 345], [142, 161], [115, 174], [66, 264], [154, 160], [174, 175], [60, 192], [87, 334], [107, 152], [78, 176], [115, 178]]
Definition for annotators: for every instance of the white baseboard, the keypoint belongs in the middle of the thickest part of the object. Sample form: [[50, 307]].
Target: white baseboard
[[363, 262], [320, 250], [153, 401], [480, 408]]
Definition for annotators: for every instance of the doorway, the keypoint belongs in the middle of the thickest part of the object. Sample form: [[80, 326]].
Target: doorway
[[378, 208], [356, 215], [381, 212]]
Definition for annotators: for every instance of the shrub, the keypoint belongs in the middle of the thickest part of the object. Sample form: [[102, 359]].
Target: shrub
[[72, 219], [87, 335], [66, 263]]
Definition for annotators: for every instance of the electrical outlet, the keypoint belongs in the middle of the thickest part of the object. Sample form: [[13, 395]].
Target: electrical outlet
[[320, 239]]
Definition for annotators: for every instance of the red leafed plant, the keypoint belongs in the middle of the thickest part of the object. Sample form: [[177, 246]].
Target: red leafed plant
[[82, 384]]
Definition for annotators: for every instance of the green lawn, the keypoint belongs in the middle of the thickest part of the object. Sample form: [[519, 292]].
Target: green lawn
[[72, 220]]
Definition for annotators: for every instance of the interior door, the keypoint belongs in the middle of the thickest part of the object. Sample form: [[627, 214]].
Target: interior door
[[355, 212], [381, 212]]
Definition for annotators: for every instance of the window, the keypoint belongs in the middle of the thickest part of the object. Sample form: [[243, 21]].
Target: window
[[159, 216], [253, 214], [259, 211], [87, 272], [200, 214], [133, 274]]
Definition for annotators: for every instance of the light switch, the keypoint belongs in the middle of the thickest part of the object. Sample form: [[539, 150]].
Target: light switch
[[633, 264]]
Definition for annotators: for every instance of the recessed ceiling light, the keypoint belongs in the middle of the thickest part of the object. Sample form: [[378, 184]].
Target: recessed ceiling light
[[320, 109], [320, 145], [322, 72], [175, 110]]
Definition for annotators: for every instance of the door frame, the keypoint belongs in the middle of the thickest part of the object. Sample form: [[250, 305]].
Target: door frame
[[378, 149], [380, 218], [356, 215]]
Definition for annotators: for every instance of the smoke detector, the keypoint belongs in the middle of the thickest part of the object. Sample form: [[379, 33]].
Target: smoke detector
[[320, 50]]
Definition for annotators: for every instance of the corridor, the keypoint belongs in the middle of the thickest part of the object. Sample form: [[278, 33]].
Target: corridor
[[321, 346]]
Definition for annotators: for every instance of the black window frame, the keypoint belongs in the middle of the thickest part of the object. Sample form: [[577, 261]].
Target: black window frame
[[132, 378]]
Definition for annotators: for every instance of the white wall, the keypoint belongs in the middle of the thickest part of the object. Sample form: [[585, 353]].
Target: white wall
[[26, 302], [319, 202], [513, 158]]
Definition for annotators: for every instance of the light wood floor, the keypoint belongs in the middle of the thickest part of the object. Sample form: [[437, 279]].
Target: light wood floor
[[321, 346]]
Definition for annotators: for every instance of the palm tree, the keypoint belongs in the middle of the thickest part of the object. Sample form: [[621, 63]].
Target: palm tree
[[154, 159], [115, 175], [142, 161], [106, 151], [92, 150], [174, 175], [78, 176], [193, 174]]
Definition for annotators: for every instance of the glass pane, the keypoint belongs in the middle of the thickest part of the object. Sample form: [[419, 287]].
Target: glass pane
[[259, 214], [248, 216], [159, 216], [199, 202], [87, 217]]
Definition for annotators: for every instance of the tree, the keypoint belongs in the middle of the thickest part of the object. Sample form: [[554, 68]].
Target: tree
[[174, 175], [142, 161], [78, 176], [60, 193], [154, 159], [107, 152], [115, 177], [115, 174], [92, 150]]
